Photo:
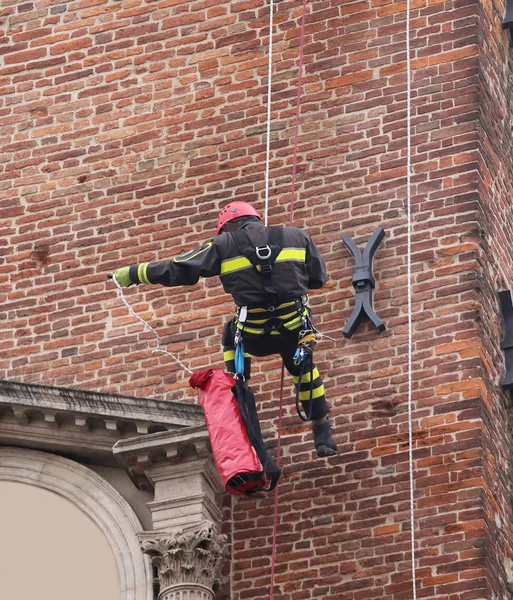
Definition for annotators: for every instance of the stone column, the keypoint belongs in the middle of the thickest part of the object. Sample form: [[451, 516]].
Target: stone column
[[188, 562], [185, 545]]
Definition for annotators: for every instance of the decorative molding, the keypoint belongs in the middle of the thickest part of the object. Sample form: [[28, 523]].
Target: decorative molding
[[192, 556], [83, 423], [165, 446], [143, 411], [98, 499], [179, 467]]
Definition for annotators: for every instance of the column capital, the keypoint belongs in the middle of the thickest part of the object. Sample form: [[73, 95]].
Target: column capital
[[190, 558]]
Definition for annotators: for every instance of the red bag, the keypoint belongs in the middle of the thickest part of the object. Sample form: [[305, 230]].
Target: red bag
[[236, 459]]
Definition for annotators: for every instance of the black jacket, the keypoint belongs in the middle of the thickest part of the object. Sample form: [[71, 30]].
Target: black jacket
[[298, 268]]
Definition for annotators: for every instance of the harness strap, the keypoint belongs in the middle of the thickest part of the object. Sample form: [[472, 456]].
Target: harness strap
[[247, 405], [262, 257], [243, 478], [283, 319]]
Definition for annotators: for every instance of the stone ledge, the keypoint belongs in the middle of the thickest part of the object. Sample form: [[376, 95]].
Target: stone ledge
[[83, 424], [168, 455], [99, 403]]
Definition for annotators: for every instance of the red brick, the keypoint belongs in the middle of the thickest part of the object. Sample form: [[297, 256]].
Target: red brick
[[121, 140]]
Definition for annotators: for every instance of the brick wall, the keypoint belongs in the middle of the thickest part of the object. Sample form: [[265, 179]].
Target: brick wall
[[496, 273], [124, 127]]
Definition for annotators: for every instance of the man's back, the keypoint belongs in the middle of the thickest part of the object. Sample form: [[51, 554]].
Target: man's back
[[297, 268]]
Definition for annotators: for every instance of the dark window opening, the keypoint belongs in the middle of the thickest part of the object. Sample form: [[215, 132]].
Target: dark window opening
[[508, 16]]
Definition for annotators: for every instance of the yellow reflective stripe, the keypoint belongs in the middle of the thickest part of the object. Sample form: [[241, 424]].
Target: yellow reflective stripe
[[284, 305], [283, 318], [292, 254], [142, 273], [193, 254], [289, 326], [234, 264], [256, 331], [241, 262], [307, 377], [230, 355], [317, 393], [293, 322]]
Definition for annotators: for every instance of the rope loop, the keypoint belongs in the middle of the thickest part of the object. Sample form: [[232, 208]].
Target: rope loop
[[147, 326]]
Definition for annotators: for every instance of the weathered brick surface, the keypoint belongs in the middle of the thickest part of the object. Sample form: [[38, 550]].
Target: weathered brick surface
[[496, 273], [124, 126]]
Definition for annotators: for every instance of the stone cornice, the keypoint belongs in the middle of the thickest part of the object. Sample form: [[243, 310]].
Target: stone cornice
[[150, 457], [164, 445], [84, 424], [99, 404]]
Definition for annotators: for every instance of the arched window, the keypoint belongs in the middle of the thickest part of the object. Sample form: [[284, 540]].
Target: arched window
[[57, 511]]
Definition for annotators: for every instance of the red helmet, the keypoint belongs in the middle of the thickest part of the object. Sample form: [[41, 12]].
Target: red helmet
[[234, 210]]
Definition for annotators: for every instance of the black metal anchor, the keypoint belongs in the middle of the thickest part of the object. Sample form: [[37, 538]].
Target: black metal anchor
[[363, 283], [506, 303]]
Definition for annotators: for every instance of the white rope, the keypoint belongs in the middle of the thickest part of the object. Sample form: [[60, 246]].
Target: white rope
[[147, 326], [269, 83], [410, 325]]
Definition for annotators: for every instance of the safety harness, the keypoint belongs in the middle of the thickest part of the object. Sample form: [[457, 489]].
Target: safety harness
[[263, 258]]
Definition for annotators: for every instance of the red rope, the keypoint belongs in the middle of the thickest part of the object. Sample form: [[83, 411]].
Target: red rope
[[291, 220], [278, 454], [298, 107]]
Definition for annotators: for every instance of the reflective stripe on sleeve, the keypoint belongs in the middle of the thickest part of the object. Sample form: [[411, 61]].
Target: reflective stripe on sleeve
[[193, 253], [142, 273]]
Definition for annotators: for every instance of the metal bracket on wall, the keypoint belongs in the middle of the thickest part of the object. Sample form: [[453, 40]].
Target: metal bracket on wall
[[506, 303], [363, 283]]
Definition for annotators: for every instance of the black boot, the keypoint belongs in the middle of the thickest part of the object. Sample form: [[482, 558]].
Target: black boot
[[323, 441]]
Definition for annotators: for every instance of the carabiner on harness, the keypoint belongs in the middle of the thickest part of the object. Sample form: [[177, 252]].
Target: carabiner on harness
[[238, 343], [307, 339]]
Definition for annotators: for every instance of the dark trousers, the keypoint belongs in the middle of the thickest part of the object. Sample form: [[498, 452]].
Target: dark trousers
[[283, 343]]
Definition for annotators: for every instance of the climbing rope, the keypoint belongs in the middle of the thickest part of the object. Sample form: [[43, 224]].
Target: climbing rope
[[409, 279], [275, 511], [147, 326], [269, 85], [291, 220]]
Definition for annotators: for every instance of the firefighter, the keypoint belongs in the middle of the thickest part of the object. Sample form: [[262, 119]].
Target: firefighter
[[267, 271]]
